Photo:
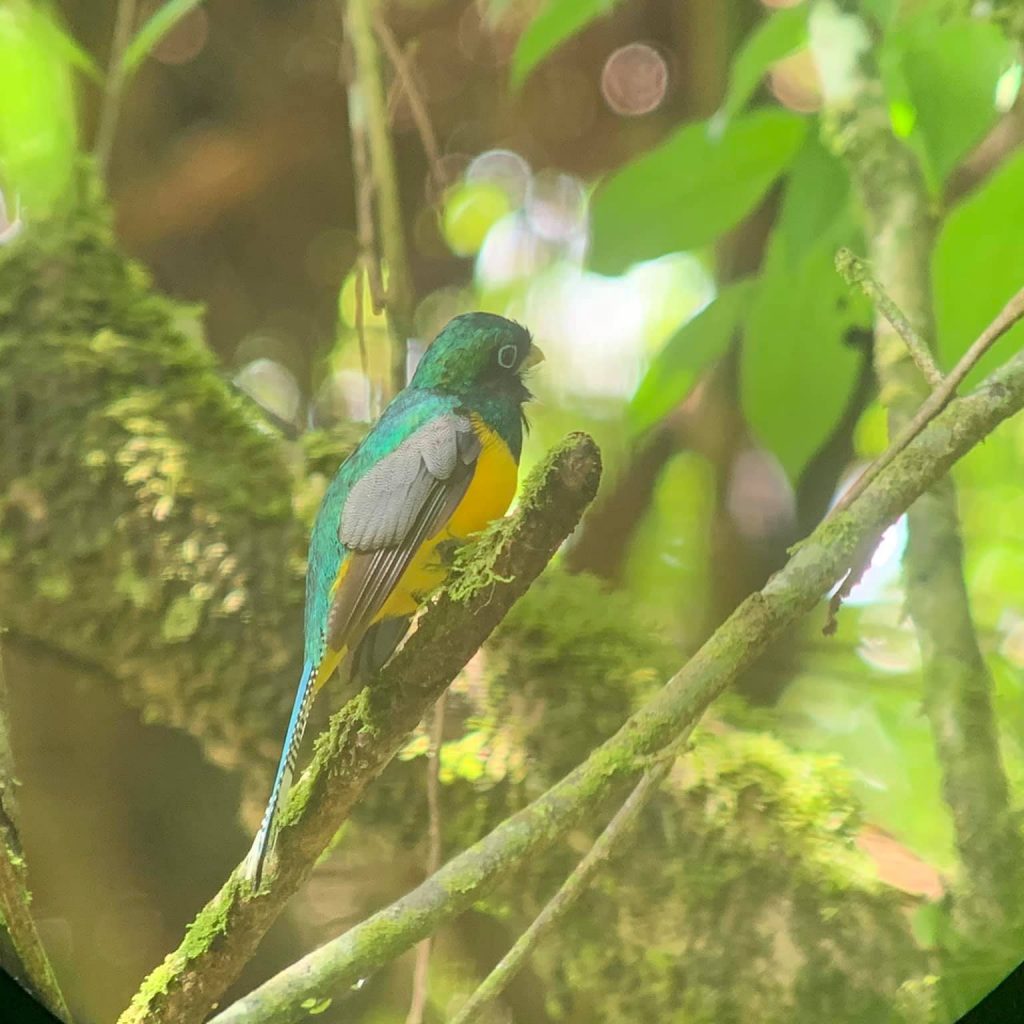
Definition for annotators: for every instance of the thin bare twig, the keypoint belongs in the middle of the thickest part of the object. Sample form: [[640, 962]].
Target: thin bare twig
[[938, 399], [574, 886], [110, 110], [988, 156], [405, 75], [855, 271], [421, 972]]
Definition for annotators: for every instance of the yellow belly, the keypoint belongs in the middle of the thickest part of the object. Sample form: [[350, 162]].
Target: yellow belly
[[487, 498]]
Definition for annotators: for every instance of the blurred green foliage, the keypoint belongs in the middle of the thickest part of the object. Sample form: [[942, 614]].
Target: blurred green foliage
[[38, 119], [554, 23], [755, 835], [690, 189]]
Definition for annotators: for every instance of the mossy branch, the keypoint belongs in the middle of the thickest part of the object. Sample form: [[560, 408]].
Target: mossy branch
[[900, 229], [363, 737], [15, 898], [813, 569]]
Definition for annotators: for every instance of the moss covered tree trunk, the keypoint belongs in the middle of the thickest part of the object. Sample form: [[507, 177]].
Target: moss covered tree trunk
[[147, 519]]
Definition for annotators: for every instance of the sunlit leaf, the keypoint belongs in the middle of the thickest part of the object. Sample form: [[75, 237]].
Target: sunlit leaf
[[672, 373], [797, 370], [555, 22], [951, 70], [774, 38], [38, 129], [978, 265], [147, 38], [690, 189]]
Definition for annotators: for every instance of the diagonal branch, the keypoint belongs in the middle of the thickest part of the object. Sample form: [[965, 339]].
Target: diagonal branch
[[855, 272], [761, 619], [364, 736]]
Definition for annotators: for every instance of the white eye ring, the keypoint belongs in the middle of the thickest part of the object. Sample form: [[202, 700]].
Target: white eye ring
[[507, 356]]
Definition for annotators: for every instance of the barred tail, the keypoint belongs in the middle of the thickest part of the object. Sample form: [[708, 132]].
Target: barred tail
[[264, 841]]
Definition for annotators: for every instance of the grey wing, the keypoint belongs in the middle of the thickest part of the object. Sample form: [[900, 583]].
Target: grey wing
[[400, 503]]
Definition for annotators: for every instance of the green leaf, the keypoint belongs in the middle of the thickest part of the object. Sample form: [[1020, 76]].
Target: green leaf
[[774, 38], [817, 196], [556, 21], [153, 31], [951, 70], [796, 370], [978, 264], [65, 44], [690, 189], [700, 340], [38, 123]]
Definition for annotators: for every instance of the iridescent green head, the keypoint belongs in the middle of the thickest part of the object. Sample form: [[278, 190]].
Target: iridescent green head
[[478, 352]]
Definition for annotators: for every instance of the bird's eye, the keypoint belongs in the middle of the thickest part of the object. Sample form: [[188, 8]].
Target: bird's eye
[[507, 356]]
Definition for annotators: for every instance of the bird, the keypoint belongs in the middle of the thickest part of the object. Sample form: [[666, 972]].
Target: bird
[[439, 464]]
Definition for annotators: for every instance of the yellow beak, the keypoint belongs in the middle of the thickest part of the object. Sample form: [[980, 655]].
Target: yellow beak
[[536, 356]]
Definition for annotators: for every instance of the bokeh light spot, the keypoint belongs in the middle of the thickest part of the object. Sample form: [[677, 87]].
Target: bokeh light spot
[[470, 211], [272, 386], [634, 80], [794, 81], [511, 252], [186, 40], [556, 206], [505, 169]]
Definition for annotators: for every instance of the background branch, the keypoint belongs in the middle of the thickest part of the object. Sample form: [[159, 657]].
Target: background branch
[[421, 972], [405, 75], [813, 569], [400, 297], [900, 232], [363, 737]]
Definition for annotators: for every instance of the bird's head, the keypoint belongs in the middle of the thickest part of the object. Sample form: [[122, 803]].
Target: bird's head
[[479, 351]]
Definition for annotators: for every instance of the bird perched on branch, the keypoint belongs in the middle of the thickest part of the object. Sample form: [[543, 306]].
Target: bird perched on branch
[[440, 463]]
